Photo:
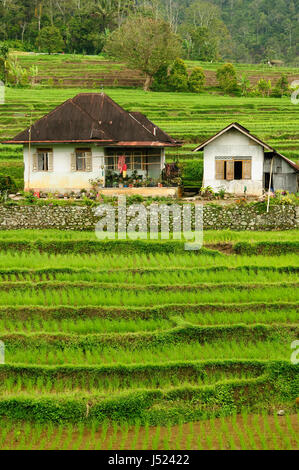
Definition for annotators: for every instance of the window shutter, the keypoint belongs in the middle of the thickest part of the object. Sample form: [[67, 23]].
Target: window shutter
[[50, 161], [88, 161], [73, 162], [219, 169], [230, 173], [34, 162], [247, 169]]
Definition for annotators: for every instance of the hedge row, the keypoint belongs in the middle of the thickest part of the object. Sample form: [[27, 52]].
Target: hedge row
[[20, 285], [266, 248], [162, 311], [91, 247], [182, 368], [141, 246], [181, 334]]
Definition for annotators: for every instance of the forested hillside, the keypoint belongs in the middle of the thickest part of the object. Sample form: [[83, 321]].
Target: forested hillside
[[236, 30]]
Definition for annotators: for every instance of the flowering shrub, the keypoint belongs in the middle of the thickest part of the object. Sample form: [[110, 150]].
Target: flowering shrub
[[282, 197]]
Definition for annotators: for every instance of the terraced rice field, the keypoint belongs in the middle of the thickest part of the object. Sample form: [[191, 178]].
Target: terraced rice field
[[71, 70], [239, 432], [148, 350]]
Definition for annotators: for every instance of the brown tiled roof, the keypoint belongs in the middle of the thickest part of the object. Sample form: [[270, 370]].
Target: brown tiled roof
[[161, 135], [94, 117]]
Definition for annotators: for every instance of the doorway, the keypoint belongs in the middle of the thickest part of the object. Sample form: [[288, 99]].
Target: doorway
[[238, 170], [267, 182]]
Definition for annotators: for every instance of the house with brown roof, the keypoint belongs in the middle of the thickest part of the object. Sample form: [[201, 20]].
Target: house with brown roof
[[239, 162], [90, 137]]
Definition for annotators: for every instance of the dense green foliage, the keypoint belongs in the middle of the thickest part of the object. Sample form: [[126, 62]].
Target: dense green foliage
[[7, 184], [50, 40], [236, 30], [196, 80], [177, 78], [145, 44], [227, 78], [193, 173]]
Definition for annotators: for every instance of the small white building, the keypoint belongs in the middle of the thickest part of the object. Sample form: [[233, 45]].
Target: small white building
[[87, 138], [237, 161]]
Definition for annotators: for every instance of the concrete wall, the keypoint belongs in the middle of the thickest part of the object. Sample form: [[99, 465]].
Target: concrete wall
[[62, 179], [234, 144]]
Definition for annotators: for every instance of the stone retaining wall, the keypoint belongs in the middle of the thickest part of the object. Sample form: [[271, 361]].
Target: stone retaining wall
[[83, 218]]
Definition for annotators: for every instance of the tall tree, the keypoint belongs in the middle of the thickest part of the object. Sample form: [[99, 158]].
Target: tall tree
[[50, 40], [145, 44]]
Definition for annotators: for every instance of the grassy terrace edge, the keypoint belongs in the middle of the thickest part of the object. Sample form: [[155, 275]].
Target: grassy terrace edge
[[186, 332], [211, 269], [145, 246], [67, 311], [186, 403]]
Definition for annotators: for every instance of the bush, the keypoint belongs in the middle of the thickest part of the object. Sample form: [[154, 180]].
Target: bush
[[196, 80], [281, 88], [160, 79], [264, 87], [227, 78], [266, 248], [17, 44], [7, 184], [92, 247], [193, 171], [178, 77], [50, 40]]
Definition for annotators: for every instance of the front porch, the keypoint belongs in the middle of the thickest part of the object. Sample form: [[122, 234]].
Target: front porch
[[133, 168]]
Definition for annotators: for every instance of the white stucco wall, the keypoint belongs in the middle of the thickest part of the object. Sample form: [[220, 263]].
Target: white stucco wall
[[62, 179], [234, 144]]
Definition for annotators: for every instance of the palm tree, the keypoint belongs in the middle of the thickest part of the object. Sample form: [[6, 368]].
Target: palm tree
[[107, 11]]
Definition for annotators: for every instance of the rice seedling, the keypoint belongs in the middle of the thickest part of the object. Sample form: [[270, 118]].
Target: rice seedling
[[171, 276], [156, 438], [135, 434], [275, 350], [283, 436], [68, 437], [115, 261], [210, 236], [294, 436], [217, 435], [145, 438], [190, 437], [106, 297]]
